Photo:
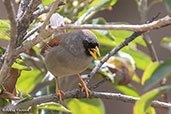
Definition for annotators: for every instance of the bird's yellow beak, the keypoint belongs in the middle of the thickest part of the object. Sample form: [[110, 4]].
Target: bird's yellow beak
[[93, 52]]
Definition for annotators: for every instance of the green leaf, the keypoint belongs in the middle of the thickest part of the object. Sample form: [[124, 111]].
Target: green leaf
[[92, 8], [151, 110], [127, 90], [139, 40], [4, 25], [166, 42], [101, 21], [28, 80], [168, 5], [2, 51], [104, 49], [103, 39], [3, 36], [21, 62], [86, 106], [121, 35], [145, 101], [2, 87], [53, 106], [47, 2], [139, 57], [34, 109], [136, 78], [148, 71], [162, 71], [21, 65], [141, 60]]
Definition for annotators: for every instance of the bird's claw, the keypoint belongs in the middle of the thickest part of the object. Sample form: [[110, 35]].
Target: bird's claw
[[58, 92], [84, 87]]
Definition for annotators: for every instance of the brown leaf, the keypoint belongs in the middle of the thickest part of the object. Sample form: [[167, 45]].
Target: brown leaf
[[126, 79], [11, 80], [122, 69]]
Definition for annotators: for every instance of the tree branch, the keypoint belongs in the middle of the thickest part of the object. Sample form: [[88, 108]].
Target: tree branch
[[75, 94], [41, 11], [22, 8], [31, 32], [24, 18], [165, 21], [144, 27], [11, 47]]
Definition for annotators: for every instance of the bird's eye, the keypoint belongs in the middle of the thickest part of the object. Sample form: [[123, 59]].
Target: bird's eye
[[85, 43]]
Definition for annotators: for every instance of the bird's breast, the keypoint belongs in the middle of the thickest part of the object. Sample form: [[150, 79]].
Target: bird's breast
[[63, 62]]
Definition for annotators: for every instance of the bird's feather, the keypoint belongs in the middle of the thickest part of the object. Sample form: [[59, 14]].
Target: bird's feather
[[52, 43]]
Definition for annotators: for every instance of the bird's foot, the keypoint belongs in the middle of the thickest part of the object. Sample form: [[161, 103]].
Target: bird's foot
[[58, 92], [84, 87]]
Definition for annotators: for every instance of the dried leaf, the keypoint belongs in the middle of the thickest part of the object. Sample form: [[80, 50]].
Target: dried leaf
[[11, 80], [122, 69]]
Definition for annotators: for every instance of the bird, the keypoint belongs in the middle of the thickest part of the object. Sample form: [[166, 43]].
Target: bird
[[70, 53]]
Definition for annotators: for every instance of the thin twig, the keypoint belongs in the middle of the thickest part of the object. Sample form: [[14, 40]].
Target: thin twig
[[165, 21], [8, 56], [148, 41], [143, 9], [41, 11], [52, 10], [74, 94], [151, 50], [89, 12], [32, 32], [45, 9], [99, 83]]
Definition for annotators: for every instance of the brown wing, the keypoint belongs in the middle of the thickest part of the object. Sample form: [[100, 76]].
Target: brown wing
[[54, 42]]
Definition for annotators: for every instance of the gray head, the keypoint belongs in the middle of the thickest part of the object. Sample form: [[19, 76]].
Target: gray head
[[90, 43], [79, 39]]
